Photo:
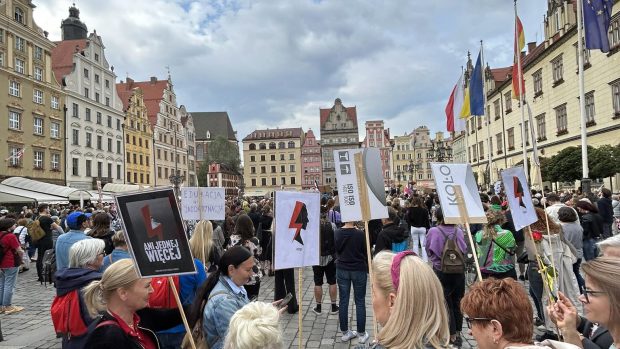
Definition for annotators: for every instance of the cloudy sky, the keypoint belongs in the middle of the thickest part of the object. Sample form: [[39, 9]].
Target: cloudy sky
[[274, 63]]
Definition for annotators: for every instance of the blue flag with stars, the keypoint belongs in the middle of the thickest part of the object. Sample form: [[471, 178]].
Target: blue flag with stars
[[476, 89], [596, 19]]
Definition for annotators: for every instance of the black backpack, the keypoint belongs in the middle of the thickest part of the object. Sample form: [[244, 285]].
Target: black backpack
[[48, 271], [452, 259]]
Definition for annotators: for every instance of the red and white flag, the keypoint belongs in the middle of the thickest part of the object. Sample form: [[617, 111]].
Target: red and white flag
[[453, 109]]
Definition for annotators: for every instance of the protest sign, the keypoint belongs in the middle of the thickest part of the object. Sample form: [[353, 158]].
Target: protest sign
[[348, 184], [519, 197], [203, 203], [447, 178], [297, 235], [155, 233]]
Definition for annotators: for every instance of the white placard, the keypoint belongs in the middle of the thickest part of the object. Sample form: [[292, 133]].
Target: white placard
[[297, 236], [519, 197], [348, 188], [447, 177], [209, 201]]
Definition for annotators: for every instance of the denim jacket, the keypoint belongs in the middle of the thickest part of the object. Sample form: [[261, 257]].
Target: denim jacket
[[221, 306]]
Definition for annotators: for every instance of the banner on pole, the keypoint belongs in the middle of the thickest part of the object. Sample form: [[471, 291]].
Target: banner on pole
[[519, 197], [447, 177], [348, 187], [155, 233], [297, 235], [210, 201]]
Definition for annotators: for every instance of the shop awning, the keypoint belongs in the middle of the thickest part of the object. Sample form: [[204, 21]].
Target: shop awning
[[121, 188], [14, 199], [67, 193], [105, 197], [19, 195], [257, 192]]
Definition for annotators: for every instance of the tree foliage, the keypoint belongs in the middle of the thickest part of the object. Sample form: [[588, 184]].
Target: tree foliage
[[222, 151], [603, 162], [565, 166]]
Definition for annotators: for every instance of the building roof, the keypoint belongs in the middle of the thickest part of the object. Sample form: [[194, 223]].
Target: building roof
[[501, 74], [153, 91], [275, 134], [124, 95], [62, 56], [217, 123], [351, 113]]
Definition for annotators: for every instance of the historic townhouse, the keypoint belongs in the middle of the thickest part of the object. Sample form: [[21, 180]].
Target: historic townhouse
[[190, 137], [338, 131], [551, 84], [272, 160], [209, 126], [311, 162], [402, 155], [30, 97], [377, 136], [168, 132], [94, 114], [138, 137]]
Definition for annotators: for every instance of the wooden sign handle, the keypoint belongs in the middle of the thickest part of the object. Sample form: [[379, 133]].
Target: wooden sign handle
[[299, 301], [465, 221], [178, 300]]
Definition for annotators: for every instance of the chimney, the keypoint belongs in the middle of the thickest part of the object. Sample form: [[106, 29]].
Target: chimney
[[153, 79], [129, 82], [531, 46]]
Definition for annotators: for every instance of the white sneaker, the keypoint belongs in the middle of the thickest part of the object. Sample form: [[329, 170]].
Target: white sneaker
[[363, 337], [348, 335]]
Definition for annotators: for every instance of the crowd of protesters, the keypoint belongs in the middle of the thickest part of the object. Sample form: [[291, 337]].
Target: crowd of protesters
[[419, 293]]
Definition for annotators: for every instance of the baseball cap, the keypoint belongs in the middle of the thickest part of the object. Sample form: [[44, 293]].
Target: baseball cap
[[75, 220]]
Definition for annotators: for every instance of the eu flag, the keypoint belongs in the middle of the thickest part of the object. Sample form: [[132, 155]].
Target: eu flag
[[476, 90], [596, 19]]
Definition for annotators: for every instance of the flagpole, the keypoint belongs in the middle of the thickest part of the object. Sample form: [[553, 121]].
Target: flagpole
[[466, 119], [521, 97], [585, 181], [484, 112]]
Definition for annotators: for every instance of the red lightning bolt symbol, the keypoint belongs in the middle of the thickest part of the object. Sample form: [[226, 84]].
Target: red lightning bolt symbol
[[151, 231], [297, 226]]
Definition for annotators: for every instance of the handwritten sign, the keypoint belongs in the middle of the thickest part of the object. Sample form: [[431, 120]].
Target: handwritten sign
[[203, 203], [447, 177]]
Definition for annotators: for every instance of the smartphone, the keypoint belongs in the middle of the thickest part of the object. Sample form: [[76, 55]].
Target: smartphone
[[286, 300]]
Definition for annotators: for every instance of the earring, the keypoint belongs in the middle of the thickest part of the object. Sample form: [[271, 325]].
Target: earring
[[495, 341]]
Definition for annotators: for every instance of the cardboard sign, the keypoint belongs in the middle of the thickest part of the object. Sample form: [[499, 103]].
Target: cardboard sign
[[297, 236], [447, 177], [519, 197], [155, 233], [348, 185], [203, 203]]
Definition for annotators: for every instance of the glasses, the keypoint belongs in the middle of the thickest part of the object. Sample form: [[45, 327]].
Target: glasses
[[471, 320], [587, 293]]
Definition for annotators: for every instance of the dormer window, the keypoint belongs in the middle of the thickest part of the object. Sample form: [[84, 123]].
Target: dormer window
[[208, 135], [19, 15], [557, 19]]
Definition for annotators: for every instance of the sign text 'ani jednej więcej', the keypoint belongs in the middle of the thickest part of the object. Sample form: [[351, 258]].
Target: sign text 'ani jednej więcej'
[[162, 251]]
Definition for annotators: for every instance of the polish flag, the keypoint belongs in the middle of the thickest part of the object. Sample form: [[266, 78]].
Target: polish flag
[[453, 109]]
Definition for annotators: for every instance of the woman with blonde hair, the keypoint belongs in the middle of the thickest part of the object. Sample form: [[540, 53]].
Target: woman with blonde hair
[[408, 302], [121, 299], [496, 248], [255, 326], [202, 246]]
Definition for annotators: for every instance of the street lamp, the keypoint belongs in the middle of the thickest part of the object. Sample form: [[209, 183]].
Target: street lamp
[[175, 178], [440, 151]]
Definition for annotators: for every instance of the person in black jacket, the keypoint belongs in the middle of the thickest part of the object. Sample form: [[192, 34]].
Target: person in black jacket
[[120, 299], [419, 221], [327, 266], [592, 225], [392, 236], [606, 211]]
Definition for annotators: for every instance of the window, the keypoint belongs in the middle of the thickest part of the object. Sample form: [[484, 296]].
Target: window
[[281, 157], [97, 97], [20, 44], [134, 158], [87, 114], [527, 133], [89, 140], [541, 127], [1, 36], [537, 77], [54, 130], [107, 83], [561, 120], [281, 145], [273, 181], [38, 53], [590, 111], [615, 96], [292, 180], [55, 102], [15, 120], [20, 65], [481, 149], [272, 145], [14, 88], [291, 168], [86, 73], [109, 121], [97, 78], [262, 146], [118, 173], [75, 164], [273, 157], [37, 128], [89, 165], [263, 181], [99, 142], [262, 158], [118, 150], [291, 144], [96, 57], [496, 109], [508, 101], [118, 125], [38, 73], [86, 92], [282, 168], [37, 96], [1, 59], [252, 157], [586, 55], [55, 161], [500, 144], [75, 137], [15, 156], [253, 182], [98, 118], [107, 101], [110, 148], [558, 70], [252, 145], [273, 169], [282, 181], [75, 110], [19, 15], [291, 156], [511, 138], [263, 169], [614, 33]]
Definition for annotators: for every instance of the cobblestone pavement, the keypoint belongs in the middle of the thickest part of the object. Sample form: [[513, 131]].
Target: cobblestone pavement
[[32, 328]]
